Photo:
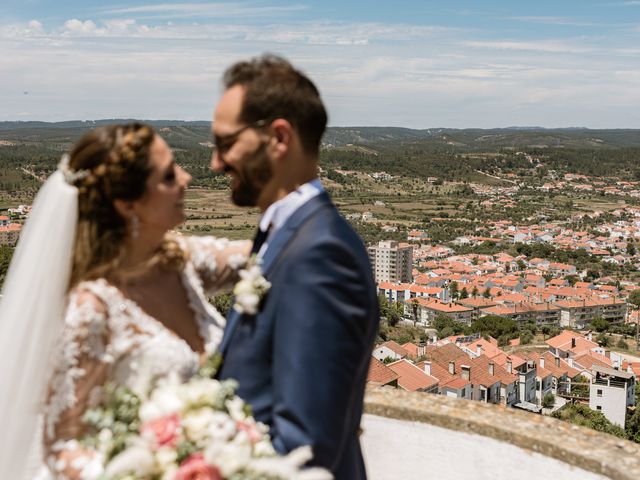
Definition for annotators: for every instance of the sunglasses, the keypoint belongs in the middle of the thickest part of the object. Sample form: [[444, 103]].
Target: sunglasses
[[224, 143]]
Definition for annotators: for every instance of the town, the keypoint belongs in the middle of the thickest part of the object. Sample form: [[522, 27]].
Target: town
[[509, 276]]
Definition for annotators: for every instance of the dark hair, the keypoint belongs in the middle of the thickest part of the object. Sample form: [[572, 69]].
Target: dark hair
[[117, 159], [274, 89]]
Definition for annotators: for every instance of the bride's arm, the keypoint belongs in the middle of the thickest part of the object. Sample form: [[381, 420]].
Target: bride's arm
[[81, 368], [217, 260]]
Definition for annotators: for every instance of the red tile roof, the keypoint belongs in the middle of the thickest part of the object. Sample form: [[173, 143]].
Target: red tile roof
[[411, 378], [379, 373], [395, 348]]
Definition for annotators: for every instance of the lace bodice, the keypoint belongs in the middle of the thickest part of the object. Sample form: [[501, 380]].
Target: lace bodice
[[110, 338]]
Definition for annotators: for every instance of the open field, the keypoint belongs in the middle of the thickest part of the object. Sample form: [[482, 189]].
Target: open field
[[211, 212]]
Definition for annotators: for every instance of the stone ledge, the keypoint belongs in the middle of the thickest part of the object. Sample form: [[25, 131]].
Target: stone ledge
[[578, 446]]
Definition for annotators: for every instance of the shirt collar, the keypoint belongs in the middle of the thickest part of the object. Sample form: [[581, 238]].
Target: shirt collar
[[279, 212]]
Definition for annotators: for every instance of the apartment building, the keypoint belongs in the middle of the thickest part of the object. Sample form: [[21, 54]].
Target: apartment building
[[391, 261], [611, 392], [580, 313], [540, 313], [9, 234]]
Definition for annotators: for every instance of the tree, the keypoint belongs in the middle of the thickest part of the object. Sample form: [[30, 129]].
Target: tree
[[453, 290], [631, 248], [495, 326], [634, 298], [487, 293], [579, 414], [603, 340], [526, 338], [632, 425], [580, 386], [549, 400], [384, 306], [474, 292], [6, 253], [599, 324], [447, 326], [464, 293], [621, 344], [394, 314]]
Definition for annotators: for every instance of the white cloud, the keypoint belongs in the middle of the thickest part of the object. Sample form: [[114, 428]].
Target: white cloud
[[80, 28], [34, 26], [546, 20], [548, 46], [205, 10], [369, 73]]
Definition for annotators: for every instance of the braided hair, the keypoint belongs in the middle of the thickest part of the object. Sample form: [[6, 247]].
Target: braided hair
[[117, 159]]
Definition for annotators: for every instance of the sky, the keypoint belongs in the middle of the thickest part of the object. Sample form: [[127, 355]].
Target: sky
[[418, 64]]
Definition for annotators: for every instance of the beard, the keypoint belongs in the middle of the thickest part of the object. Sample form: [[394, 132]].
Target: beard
[[252, 177]]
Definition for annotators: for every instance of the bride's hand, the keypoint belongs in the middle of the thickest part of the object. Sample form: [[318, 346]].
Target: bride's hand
[[217, 260], [76, 463]]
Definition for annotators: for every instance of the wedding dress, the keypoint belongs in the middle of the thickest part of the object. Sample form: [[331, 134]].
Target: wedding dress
[[107, 337]]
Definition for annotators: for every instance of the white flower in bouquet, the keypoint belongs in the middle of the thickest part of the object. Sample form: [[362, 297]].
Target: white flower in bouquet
[[221, 428], [229, 458], [264, 448], [199, 393], [290, 466], [137, 459], [197, 424], [163, 401], [236, 407], [166, 458]]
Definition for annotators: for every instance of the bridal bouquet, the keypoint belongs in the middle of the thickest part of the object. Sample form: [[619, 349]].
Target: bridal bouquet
[[198, 430]]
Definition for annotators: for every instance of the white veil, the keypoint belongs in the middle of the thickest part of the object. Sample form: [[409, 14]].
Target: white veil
[[31, 318]]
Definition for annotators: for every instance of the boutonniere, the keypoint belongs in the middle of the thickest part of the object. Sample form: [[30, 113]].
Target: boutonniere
[[251, 288]]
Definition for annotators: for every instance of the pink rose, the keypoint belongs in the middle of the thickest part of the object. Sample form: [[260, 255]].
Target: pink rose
[[251, 430], [165, 430], [196, 468]]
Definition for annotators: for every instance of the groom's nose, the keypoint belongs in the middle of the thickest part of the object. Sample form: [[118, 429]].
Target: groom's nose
[[217, 164]]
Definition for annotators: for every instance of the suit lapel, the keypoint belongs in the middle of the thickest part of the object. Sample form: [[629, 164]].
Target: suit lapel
[[277, 246], [279, 242]]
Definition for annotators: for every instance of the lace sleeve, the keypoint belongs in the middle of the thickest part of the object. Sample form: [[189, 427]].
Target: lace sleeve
[[217, 260], [82, 367]]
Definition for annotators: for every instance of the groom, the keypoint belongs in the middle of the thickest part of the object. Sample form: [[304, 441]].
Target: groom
[[302, 360]]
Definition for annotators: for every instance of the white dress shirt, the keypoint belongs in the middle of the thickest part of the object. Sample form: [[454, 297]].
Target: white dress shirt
[[279, 212]]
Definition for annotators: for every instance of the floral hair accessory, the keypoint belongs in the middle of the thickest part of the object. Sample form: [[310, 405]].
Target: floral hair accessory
[[71, 176]]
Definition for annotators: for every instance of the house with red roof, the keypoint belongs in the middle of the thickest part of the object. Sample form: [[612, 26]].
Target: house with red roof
[[412, 378], [450, 385], [570, 344], [380, 375], [428, 309], [389, 350], [10, 233]]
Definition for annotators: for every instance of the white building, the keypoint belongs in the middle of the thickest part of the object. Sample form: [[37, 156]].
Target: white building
[[611, 392], [392, 261]]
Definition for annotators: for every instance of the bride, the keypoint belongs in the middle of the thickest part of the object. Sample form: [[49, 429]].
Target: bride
[[99, 290]]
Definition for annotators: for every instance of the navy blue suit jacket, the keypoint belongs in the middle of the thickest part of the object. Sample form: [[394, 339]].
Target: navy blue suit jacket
[[302, 361]]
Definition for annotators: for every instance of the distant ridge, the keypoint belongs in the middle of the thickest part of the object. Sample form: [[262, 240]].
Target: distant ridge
[[183, 133], [18, 125]]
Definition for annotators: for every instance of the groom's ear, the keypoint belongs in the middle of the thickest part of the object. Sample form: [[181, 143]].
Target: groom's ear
[[124, 208], [282, 136]]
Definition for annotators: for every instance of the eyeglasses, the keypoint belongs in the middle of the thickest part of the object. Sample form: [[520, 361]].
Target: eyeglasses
[[224, 143]]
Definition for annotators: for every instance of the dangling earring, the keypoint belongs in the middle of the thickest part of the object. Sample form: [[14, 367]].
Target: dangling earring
[[135, 226]]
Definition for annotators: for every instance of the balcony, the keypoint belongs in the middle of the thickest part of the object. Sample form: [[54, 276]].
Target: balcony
[[415, 436]]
